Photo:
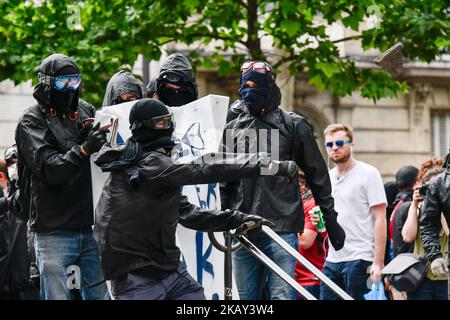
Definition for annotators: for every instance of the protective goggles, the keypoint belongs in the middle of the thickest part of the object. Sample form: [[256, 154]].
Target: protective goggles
[[61, 83], [172, 77], [338, 143], [260, 67], [156, 123]]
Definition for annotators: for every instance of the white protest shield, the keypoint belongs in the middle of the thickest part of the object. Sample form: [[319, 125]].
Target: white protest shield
[[198, 130]]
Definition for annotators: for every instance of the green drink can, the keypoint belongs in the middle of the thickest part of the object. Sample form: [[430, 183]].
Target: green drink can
[[321, 223]]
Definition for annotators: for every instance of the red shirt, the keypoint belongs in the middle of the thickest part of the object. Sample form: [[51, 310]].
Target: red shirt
[[315, 254]]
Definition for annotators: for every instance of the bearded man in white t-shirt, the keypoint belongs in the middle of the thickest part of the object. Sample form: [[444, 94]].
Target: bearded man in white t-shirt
[[360, 199]]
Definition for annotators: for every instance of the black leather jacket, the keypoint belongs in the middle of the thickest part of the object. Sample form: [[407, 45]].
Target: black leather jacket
[[54, 177], [436, 201], [272, 197], [135, 228]]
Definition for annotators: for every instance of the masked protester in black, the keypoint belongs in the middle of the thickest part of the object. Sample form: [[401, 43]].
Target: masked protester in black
[[122, 87], [141, 204], [272, 197], [437, 201], [15, 260], [54, 140], [176, 85]]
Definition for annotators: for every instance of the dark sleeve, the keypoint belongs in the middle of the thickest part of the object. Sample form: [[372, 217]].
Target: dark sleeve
[[310, 160], [399, 246], [193, 217], [41, 157], [212, 167], [430, 222], [227, 189], [4, 205]]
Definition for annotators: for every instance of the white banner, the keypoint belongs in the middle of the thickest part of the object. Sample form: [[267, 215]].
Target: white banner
[[199, 127]]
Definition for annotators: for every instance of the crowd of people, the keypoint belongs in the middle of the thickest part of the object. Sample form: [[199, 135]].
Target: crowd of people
[[48, 235]]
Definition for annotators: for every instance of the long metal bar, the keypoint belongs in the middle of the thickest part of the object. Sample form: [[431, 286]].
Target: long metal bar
[[319, 274], [274, 267]]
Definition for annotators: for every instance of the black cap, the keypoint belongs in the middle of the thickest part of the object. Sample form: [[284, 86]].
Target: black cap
[[406, 176]]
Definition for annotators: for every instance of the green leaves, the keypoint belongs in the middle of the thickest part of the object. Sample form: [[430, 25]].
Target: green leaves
[[291, 27], [103, 35], [328, 68]]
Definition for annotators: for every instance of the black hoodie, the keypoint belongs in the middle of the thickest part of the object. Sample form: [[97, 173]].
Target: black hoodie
[[54, 177], [120, 83], [178, 64]]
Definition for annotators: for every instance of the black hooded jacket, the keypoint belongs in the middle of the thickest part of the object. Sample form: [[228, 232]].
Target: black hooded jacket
[[272, 197], [120, 83], [180, 65], [436, 201], [135, 227], [15, 260], [54, 177]]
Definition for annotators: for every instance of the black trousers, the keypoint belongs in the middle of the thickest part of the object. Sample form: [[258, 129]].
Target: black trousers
[[177, 285]]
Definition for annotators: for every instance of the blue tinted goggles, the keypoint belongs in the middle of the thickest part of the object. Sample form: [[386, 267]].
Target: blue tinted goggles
[[61, 83]]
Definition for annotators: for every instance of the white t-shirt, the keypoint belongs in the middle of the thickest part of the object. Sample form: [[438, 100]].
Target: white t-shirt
[[354, 194]]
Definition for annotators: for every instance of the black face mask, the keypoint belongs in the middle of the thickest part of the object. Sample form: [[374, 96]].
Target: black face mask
[[176, 97], [151, 139], [62, 101]]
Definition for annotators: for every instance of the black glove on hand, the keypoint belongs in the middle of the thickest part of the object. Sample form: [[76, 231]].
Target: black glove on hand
[[335, 232], [83, 133], [252, 223], [286, 169], [96, 139]]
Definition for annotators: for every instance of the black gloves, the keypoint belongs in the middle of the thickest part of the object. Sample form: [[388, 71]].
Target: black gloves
[[335, 232], [95, 140], [83, 133], [250, 222], [286, 169]]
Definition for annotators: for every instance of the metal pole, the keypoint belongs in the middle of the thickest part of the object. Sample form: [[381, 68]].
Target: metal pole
[[227, 249], [274, 267], [228, 267], [322, 277]]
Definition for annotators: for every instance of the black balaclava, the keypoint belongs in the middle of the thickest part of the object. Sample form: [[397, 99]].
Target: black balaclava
[[151, 139], [255, 98], [176, 97], [177, 64], [266, 95], [64, 101]]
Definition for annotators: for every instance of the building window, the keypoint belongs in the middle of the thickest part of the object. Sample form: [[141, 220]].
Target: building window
[[440, 133]]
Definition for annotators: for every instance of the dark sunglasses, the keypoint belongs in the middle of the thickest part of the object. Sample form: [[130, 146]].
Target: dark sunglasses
[[339, 143]]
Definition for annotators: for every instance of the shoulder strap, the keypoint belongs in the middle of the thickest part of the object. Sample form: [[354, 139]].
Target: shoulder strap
[[391, 221]]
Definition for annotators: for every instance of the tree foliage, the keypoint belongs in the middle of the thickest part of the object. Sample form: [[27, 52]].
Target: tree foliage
[[103, 35]]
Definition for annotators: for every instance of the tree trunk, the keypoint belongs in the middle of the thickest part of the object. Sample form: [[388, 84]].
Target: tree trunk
[[253, 41]]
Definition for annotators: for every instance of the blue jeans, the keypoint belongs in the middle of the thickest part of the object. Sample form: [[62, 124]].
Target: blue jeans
[[252, 275], [177, 285], [67, 261], [351, 276], [430, 290]]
